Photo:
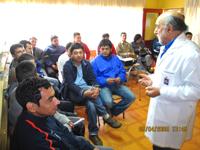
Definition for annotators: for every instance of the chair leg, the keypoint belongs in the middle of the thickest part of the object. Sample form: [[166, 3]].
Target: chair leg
[[139, 92], [123, 115], [98, 121]]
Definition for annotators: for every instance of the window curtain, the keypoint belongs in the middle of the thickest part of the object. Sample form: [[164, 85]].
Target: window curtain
[[192, 18], [129, 3], [43, 18]]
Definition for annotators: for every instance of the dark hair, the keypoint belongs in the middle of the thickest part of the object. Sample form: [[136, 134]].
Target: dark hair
[[123, 33], [25, 56], [24, 43], [137, 37], [105, 35], [105, 42], [25, 70], [14, 47], [33, 37], [188, 33], [68, 45], [75, 46], [28, 90], [54, 37], [76, 33]]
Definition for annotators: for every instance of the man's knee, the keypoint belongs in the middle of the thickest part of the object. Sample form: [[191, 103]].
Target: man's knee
[[130, 96], [106, 98], [90, 107], [109, 104]]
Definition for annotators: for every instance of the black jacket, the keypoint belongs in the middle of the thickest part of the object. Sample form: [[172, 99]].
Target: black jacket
[[69, 76], [45, 133]]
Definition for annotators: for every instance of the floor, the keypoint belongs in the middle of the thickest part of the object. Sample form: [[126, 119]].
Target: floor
[[130, 136]]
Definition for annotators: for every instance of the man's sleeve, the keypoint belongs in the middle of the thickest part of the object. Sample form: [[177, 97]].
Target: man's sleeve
[[100, 79], [122, 72], [46, 58], [87, 52]]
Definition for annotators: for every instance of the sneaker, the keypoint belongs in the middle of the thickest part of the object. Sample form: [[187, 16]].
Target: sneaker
[[113, 123], [95, 140]]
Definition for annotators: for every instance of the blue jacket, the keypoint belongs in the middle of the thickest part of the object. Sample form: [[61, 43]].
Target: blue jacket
[[51, 54], [45, 133], [108, 67]]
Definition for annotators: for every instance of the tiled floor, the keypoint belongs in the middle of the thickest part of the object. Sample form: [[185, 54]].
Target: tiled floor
[[130, 136]]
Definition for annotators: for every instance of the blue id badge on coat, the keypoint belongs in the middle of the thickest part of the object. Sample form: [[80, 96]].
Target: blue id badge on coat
[[166, 81]]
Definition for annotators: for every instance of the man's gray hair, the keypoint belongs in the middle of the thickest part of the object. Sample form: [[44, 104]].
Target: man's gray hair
[[176, 20]]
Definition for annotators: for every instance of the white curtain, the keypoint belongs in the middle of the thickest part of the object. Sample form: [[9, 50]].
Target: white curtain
[[192, 18], [20, 21]]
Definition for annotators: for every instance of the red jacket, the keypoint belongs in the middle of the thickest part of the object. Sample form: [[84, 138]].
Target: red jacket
[[86, 50]]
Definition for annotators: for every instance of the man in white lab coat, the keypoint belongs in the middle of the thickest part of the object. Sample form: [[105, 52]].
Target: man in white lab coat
[[174, 88]]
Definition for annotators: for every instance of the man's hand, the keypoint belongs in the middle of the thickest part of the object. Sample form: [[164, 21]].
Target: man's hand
[[95, 92], [71, 124], [92, 93], [110, 80], [145, 80], [54, 67], [87, 93], [117, 80], [152, 91], [96, 148]]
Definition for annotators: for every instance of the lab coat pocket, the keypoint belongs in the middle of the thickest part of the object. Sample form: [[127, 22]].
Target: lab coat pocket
[[168, 113], [186, 113], [167, 78]]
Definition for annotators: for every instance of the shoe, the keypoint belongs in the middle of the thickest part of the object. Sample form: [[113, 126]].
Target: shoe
[[113, 123], [95, 140]]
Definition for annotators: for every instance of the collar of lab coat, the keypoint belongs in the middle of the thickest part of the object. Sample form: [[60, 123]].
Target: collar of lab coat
[[175, 47]]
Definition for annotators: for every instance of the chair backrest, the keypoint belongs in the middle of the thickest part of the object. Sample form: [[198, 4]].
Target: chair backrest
[[14, 110], [93, 54]]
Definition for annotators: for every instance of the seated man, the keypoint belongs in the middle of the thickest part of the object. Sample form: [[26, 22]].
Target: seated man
[[106, 36], [143, 54], [39, 69], [36, 129], [77, 39], [124, 48], [82, 89], [125, 51], [111, 75], [37, 52], [16, 51], [51, 55], [24, 70]]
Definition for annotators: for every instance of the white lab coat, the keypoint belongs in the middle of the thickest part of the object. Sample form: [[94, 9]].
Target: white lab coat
[[178, 76]]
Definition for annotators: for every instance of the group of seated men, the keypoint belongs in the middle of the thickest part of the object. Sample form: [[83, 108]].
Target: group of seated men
[[84, 83]]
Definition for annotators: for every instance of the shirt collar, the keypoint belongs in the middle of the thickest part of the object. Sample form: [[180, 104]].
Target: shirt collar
[[168, 45]]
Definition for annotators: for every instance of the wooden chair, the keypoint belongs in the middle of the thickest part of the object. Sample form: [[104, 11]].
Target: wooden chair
[[93, 54]]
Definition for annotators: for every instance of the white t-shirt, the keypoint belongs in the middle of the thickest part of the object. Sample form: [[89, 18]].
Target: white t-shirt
[[61, 62]]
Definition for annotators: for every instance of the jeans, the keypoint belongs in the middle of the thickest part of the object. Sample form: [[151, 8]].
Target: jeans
[[94, 107], [127, 98]]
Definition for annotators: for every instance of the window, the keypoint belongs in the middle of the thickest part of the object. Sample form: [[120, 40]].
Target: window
[[21, 21]]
